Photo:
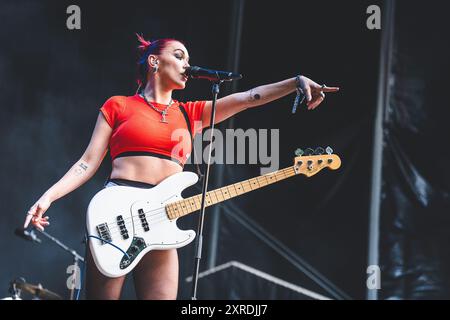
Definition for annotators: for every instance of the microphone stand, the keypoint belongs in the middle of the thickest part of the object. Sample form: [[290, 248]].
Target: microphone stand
[[75, 255], [199, 240]]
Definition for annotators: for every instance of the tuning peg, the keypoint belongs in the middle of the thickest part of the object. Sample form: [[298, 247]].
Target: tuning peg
[[319, 151], [299, 152], [309, 152], [329, 150]]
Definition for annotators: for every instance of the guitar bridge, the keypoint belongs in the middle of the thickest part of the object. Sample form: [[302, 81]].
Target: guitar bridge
[[104, 233]]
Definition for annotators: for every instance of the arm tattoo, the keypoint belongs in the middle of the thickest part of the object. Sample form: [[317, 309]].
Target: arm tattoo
[[253, 96], [80, 169]]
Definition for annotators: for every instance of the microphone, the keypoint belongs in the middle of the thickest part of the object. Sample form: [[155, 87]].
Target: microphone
[[212, 75], [27, 235]]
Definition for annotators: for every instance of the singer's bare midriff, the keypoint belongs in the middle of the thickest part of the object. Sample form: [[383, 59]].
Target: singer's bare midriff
[[144, 169]]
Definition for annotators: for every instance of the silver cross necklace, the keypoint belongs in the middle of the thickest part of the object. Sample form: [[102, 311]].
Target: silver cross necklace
[[163, 112]]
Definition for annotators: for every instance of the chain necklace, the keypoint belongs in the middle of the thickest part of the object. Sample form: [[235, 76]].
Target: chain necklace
[[163, 112]]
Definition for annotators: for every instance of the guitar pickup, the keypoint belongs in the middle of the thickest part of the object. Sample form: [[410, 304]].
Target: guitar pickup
[[104, 233], [122, 227], [143, 220]]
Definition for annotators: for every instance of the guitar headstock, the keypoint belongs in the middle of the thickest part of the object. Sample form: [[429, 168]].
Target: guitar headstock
[[309, 161]]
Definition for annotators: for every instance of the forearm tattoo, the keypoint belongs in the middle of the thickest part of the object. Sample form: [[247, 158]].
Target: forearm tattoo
[[253, 95], [81, 169]]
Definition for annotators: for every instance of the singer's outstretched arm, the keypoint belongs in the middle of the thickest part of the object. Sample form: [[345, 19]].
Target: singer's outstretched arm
[[237, 102]]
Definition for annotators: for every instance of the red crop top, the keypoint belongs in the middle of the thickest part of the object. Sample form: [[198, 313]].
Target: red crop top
[[138, 130]]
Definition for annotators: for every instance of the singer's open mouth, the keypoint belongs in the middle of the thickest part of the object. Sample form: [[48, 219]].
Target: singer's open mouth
[[185, 77]]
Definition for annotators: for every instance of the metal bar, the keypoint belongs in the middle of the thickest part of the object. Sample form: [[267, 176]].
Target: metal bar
[[387, 33]]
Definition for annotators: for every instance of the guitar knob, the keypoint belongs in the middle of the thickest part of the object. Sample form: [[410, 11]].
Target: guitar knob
[[329, 150], [134, 249], [139, 242], [309, 151]]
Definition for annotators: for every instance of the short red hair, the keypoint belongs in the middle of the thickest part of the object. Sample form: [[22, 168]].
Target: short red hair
[[147, 48]]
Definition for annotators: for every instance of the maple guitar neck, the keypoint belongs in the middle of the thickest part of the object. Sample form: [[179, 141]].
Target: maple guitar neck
[[307, 165], [186, 206]]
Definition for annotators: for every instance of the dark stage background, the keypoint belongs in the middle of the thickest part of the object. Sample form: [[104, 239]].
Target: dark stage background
[[54, 80], [415, 221]]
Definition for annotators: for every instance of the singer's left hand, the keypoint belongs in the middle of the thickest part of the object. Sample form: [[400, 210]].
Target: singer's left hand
[[315, 93]]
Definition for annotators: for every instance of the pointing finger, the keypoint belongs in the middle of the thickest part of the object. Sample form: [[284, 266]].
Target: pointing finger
[[330, 89]]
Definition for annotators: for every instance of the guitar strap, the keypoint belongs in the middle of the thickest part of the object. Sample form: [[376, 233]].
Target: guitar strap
[[188, 122]]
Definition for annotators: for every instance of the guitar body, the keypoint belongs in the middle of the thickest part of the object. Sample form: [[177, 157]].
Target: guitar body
[[124, 223], [128, 222]]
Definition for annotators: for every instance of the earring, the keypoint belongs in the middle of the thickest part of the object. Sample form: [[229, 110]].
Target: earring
[[155, 68]]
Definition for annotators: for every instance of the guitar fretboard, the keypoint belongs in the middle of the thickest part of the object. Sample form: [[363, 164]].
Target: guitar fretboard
[[183, 207]]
